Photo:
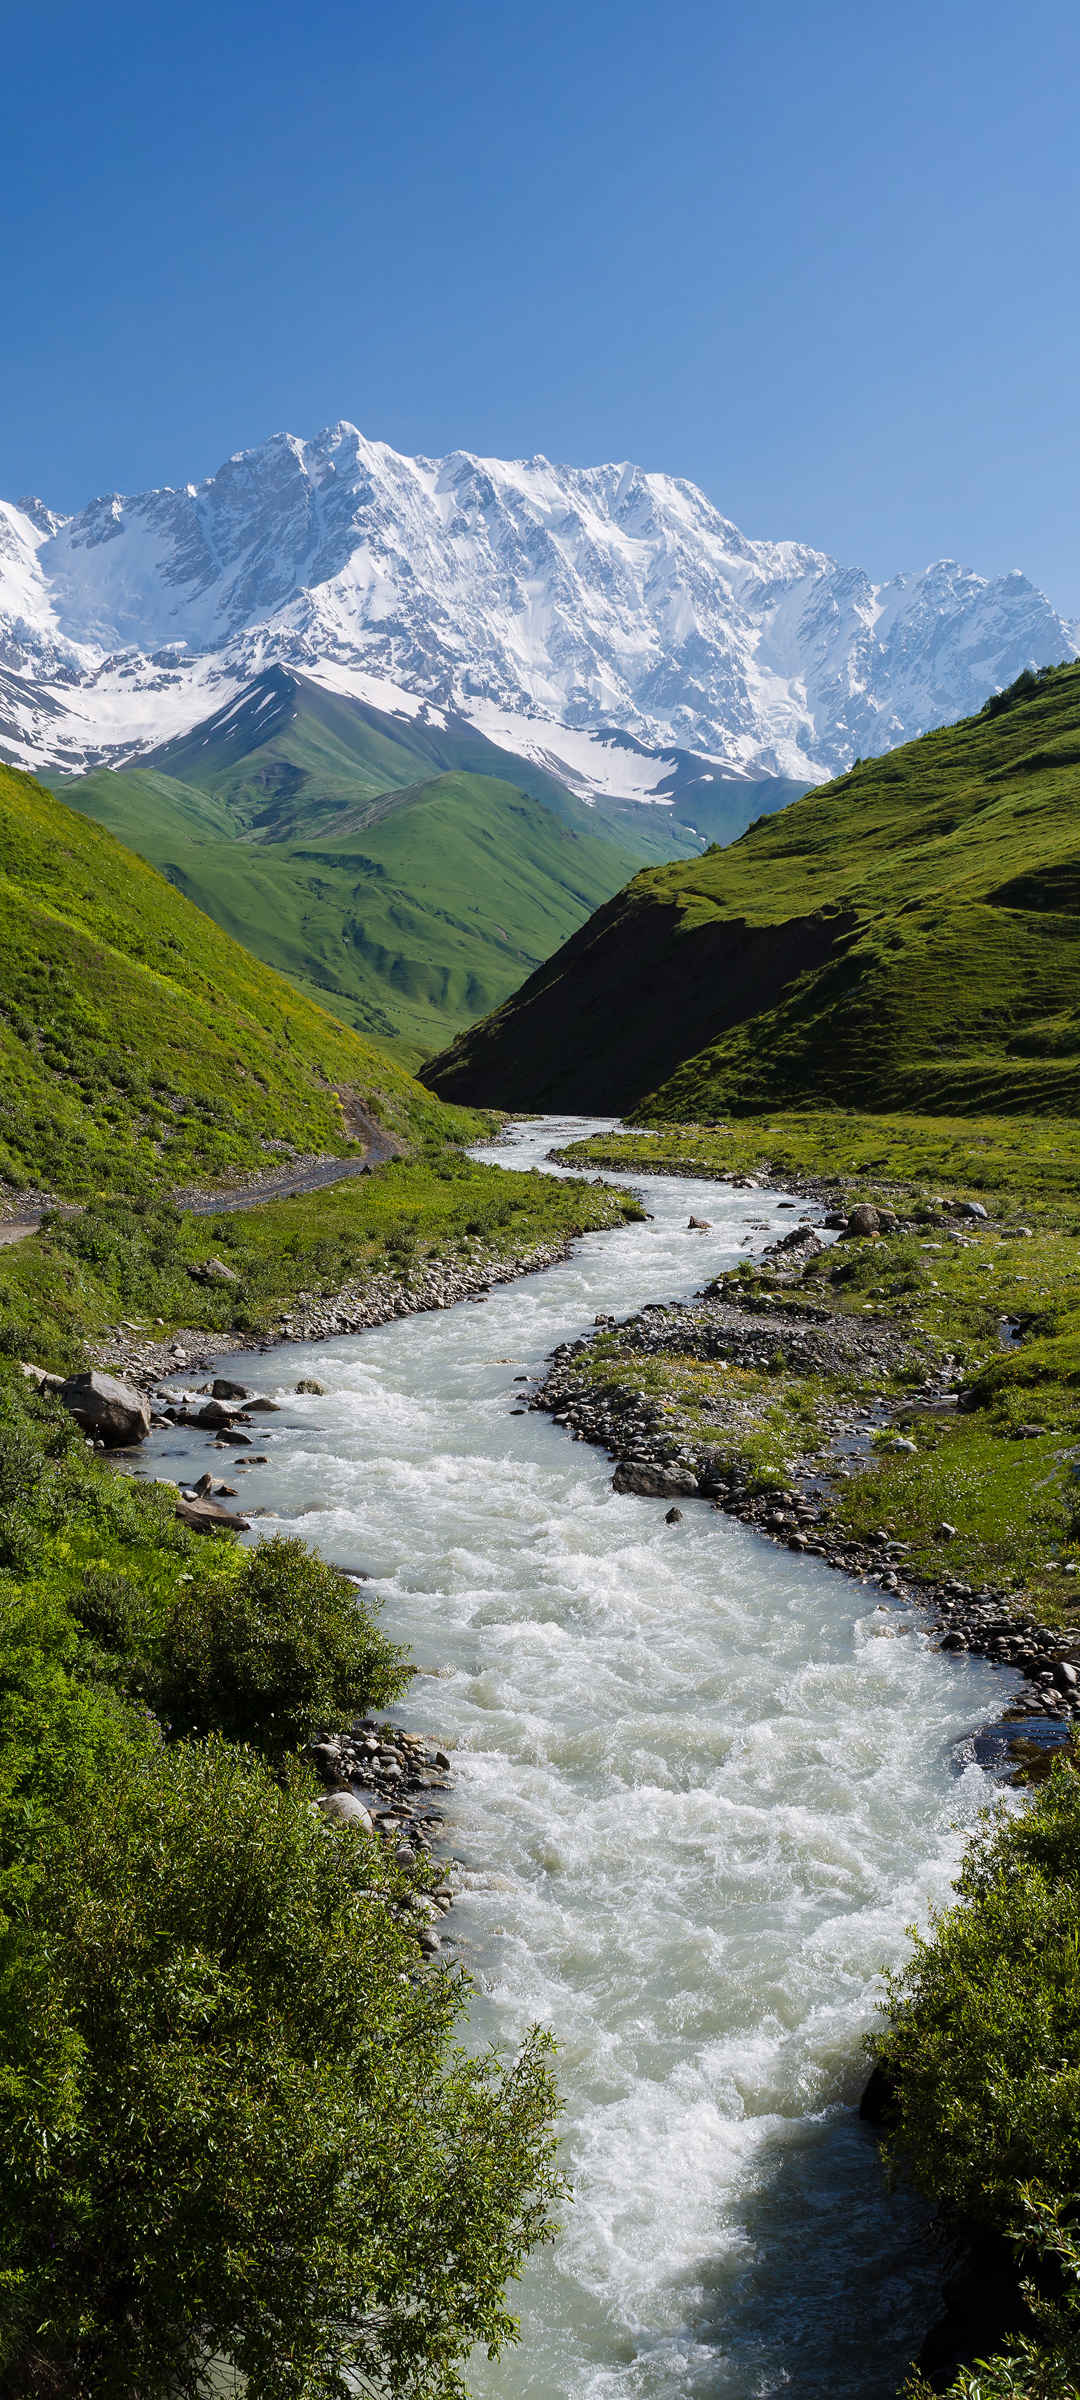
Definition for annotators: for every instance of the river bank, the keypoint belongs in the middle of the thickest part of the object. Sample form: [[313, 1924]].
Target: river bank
[[356, 1307], [693, 1398]]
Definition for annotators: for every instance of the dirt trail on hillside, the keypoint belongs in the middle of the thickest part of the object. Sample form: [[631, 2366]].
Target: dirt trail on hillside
[[314, 1173]]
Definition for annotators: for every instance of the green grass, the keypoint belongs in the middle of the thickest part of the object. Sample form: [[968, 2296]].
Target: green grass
[[141, 1047], [1000, 1472], [1034, 1162], [905, 937], [119, 1262]]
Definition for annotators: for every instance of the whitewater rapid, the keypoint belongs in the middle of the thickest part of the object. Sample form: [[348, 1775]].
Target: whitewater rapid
[[702, 1787]]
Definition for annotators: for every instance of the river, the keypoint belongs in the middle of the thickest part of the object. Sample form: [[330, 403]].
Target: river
[[702, 1786]]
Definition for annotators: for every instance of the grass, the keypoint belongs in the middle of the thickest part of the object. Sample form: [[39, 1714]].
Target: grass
[[1034, 1162], [116, 1261], [141, 1047], [905, 937], [1002, 1471]]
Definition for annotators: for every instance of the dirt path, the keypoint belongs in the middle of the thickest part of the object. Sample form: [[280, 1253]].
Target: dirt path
[[312, 1174]]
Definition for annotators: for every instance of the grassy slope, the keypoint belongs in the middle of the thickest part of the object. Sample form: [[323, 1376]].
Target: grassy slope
[[407, 913], [139, 1046], [906, 936]]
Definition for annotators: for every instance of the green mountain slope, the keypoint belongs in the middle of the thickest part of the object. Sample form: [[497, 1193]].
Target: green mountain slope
[[140, 1047], [906, 937], [407, 912]]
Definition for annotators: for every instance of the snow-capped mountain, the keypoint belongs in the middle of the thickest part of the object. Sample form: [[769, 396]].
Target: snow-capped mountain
[[559, 609]]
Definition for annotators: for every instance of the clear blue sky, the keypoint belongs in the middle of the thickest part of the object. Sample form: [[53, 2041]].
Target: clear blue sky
[[824, 260]]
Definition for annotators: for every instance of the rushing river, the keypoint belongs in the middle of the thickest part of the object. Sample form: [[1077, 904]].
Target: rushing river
[[702, 1786]]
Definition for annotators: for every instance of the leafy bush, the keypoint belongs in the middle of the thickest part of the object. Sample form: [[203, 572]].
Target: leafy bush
[[233, 2121], [268, 1646], [983, 2039]]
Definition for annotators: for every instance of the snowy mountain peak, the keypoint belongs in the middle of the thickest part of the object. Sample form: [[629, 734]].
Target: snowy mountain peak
[[557, 601]]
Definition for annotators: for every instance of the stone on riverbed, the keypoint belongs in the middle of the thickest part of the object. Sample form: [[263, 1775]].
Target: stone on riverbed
[[114, 1412], [653, 1481], [207, 1516], [345, 1809]]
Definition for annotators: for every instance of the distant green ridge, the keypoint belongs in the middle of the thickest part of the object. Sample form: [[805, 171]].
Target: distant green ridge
[[369, 858], [140, 1046], [905, 937]]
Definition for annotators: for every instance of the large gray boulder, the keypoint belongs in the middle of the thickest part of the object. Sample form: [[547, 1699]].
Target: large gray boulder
[[114, 1412], [654, 1482]]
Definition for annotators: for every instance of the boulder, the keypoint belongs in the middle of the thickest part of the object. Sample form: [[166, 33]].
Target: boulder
[[863, 1219], [673, 1517], [654, 1482], [207, 1516], [114, 1412], [222, 1389], [343, 1808], [971, 1208], [213, 1413], [698, 1225], [308, 1383], [327, 1763], [213, 1270]]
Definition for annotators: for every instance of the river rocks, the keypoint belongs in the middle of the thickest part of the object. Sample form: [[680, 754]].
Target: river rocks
[[214, 1414], [674, 1517], [343, 1808], [654, 1482], [112, 1411], [222, 1389], [207, 1516], [698, 1225], [309, 1383]]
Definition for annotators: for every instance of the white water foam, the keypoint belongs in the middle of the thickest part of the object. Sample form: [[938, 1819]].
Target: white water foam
[[702, 1786]]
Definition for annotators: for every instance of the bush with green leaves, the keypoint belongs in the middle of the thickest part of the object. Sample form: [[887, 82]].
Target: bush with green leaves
[[270, 1646], [234, 2122], [1044, 2364], [983, 2038]]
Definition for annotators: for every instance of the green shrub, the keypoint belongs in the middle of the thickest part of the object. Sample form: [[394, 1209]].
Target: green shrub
[[983, 2038], [233, 2121], [269, 1646]]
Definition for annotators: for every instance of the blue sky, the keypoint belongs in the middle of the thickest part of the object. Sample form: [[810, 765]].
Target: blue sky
[[822, 260]]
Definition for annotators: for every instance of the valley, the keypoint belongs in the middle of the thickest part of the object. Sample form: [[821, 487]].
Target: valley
[[818, 1304]]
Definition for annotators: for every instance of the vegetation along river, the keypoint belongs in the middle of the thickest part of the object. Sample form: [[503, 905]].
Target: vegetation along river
[[702, 1786]]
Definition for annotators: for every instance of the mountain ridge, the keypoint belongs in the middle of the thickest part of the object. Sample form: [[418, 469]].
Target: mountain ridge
[[559, 610]]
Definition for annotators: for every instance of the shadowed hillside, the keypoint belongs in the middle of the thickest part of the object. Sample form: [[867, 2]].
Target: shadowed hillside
[[906, 937]]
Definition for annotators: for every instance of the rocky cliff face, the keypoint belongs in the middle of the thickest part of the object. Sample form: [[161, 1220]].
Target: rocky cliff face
[[552, 606]]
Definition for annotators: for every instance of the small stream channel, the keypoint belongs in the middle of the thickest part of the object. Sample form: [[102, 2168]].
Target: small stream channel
[[702, 1786]]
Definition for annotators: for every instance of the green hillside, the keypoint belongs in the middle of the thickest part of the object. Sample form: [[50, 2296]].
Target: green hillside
[[407, 894], [140, 1047], [905, 937]]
